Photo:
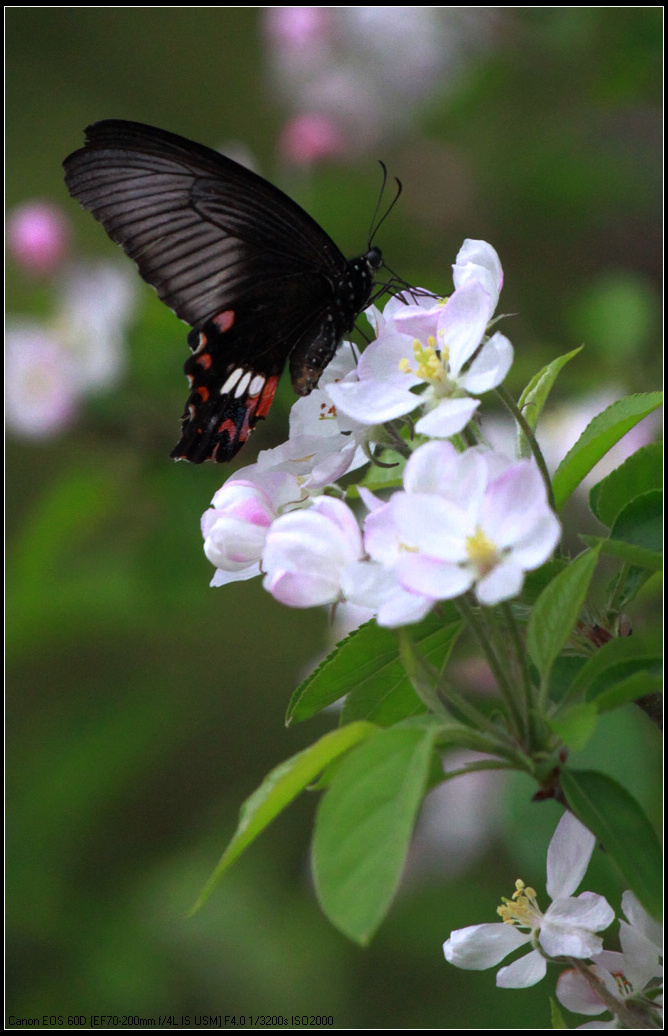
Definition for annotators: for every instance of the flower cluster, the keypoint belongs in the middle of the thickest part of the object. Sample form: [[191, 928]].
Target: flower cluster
[[52, 364], [460, 519], [569, 929], [352, 75]]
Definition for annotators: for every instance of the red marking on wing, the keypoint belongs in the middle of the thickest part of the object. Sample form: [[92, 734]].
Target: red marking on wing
[[266, 396], [224, 320], [229, 427], [203, 393], [204, 360]]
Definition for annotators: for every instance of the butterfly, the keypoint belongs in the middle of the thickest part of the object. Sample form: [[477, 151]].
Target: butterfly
[[256, 278]]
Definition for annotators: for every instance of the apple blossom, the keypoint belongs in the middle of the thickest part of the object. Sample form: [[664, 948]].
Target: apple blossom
[[478, 261], [624, 975], [437, 346], [235, 526], [307, 552], [467, 519], [566, 929], [323, 444]]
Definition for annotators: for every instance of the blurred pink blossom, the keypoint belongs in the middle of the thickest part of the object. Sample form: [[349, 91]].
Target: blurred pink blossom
[[368, 69], [309, 138], [38, 236], [296, 27]]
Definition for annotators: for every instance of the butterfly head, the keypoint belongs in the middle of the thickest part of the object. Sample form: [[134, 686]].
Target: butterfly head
[[374, 258]]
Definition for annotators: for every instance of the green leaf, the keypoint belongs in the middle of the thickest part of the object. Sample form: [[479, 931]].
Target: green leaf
[[536, 581], [366, 665], [364, 825], [629, 581], [598, 437], [534, 397], [556, 611], [576, 725], [620, 825], [639, 473], [627, 552], [358, 658], [562, 675], [278, 790], [635, 686], [556, 1017], [392, 697], [641, 521], [612, 662]]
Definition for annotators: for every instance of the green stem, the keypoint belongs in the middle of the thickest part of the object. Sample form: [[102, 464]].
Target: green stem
[[478, 720], [511, 405], [613, 606], [474, 623], [483, 764], [523, 662], [440, 697], [629, 1018], [469, 436]]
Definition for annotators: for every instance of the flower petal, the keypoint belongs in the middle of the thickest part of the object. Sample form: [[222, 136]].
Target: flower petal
[[477, 260], [440, 580], [490, 366], [503, 582], [463, 322], [568, 856], [482, 945], [588, 910], [522, 973], [371, 403], [448, 418], [576, 994]]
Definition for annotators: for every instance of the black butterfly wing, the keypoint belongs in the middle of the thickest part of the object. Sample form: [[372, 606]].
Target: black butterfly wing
[[233, 256], [199, 226]]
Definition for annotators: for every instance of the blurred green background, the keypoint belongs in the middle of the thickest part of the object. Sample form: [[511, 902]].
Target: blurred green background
[[142, 706]]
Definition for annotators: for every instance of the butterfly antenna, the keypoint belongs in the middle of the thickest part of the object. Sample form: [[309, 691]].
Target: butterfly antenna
[[401, 289], [374, 229]]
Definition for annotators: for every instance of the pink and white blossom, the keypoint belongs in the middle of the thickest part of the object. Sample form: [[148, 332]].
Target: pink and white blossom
[[323, 444], [97, 302], [478, 261], [464, 520], [310, 137], [236, 525], [369, 68], [435, 347], [308, 551]]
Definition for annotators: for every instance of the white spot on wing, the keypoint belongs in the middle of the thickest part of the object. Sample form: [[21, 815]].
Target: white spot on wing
[[243, 385], [231, 381]]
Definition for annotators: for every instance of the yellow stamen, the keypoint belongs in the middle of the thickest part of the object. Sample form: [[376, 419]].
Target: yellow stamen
[[482, 551], [522, 910]]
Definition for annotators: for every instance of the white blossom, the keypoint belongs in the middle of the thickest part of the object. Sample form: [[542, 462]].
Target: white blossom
[[566, 928]]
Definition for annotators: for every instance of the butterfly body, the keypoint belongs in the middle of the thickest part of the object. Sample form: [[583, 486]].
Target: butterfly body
[[257, 279]]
